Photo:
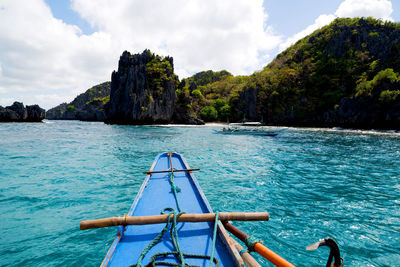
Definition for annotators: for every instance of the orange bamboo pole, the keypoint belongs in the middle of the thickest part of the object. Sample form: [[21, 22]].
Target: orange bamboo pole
[[271, 256]]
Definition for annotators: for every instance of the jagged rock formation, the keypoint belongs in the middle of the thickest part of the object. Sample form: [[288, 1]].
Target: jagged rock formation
[[142, 90], [17, 112], [88, 106]]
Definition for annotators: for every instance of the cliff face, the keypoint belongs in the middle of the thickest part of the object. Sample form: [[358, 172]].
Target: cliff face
[[344, 74], [142, 90], [88, 106], [328, 70], [333, 77], [17, 112], [376, 104]]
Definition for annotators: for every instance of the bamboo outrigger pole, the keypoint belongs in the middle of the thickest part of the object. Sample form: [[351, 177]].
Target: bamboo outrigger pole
[[259, 248], [186, 217]]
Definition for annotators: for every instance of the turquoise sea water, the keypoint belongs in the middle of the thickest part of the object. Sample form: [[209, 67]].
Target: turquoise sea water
[[314, 183]]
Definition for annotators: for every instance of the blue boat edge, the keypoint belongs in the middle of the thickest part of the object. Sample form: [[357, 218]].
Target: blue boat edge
[[222, 233]]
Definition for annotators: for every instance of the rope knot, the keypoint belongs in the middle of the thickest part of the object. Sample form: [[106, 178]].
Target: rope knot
[[175, 188], [125, 218], [242, 251], [250, 242]]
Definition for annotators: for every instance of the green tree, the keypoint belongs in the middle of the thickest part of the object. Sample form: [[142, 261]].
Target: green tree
[[71, 108], [208, 113], [389, 96], [219, 103], [197, 94], [224, 112], [387, 75]]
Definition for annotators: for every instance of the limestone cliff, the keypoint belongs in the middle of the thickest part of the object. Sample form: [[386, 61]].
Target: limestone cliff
[[142, 90], [345, 74]]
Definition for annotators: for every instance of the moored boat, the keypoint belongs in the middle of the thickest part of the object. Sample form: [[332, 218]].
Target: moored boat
[[248, 128], [241, 131]]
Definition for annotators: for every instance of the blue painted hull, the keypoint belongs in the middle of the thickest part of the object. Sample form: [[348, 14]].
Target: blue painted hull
[[155, 195]]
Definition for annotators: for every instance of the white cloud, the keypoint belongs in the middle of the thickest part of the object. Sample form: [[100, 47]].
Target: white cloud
[[381, 9], [42, 57], [200, 34], [365, 8]]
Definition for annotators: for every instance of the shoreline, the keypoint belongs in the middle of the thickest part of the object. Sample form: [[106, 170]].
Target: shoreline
[[270, 127]]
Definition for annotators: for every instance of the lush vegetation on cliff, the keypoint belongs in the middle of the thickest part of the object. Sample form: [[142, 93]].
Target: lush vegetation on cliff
[[159, 71], [313, 75], [350, 58], [198, 95]]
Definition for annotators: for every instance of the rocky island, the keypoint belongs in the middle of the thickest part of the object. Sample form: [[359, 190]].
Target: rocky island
[[17, 112], [143, 91]]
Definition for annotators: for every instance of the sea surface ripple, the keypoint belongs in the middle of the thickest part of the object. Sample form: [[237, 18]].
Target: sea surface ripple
[[314, 183]]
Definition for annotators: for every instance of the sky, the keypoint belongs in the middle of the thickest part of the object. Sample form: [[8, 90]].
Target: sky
[[53, 50]]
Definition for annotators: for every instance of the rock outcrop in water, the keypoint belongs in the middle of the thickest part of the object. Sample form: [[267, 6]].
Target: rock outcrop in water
[[142, 90], [88, 106], [17, 112]]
